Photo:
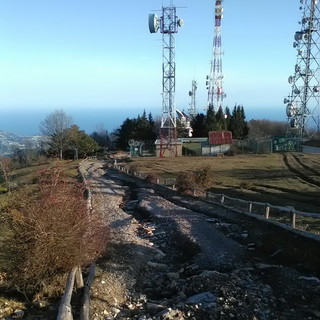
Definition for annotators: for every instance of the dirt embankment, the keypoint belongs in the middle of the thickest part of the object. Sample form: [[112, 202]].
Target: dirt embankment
[[172, 257]]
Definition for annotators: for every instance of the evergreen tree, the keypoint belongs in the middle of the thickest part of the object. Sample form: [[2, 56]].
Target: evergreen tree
[[238, 124], [221, 120], [198, 126], [141, 128], [211, 120], [124, 134], [79, 143], [227, 117]]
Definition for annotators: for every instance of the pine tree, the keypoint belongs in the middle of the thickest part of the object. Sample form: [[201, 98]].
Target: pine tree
[[221, 120], [198, 126], [211, 120], [238, 124], [227, 117]]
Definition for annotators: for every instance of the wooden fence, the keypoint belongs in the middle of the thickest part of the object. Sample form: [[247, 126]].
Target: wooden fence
[[75, 278], [251, 207]]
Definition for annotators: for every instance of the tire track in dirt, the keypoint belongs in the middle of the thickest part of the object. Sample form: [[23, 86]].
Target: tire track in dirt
[[305, 166], [296, 169]]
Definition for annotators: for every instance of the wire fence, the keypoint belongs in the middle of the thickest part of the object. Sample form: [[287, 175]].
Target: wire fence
[[285, 214]]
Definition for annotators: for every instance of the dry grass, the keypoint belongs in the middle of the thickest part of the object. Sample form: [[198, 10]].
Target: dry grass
[[279, 179]]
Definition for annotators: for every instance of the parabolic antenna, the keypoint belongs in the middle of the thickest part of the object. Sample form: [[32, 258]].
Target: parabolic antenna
[[291, 110], [154, 23], [180, 22]]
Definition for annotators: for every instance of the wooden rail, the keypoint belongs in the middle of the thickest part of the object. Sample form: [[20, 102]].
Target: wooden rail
[[252, 207], [75, 278]]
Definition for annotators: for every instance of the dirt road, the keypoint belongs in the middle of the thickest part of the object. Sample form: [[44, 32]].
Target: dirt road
[[166, 261]]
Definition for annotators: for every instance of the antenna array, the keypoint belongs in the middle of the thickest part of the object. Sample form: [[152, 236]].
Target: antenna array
[[303, 102], [214, 81], [168, 24]]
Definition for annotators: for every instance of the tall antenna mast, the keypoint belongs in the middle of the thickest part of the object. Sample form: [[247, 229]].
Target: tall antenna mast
[[214, 81], [168, 24], [193, 110], [303, 101]]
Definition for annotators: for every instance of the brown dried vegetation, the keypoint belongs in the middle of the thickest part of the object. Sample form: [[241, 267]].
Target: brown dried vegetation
[[49, 231]]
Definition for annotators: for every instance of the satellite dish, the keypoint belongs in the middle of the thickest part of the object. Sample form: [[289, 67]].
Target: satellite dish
[[296, 91], [291, 110], [295, 44], [286, 100], [180, 22], [298, 35], [290, 79], [154, 23], [190, 93]]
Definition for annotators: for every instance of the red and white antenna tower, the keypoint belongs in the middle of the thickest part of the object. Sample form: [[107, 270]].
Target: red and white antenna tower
[[214, 81]]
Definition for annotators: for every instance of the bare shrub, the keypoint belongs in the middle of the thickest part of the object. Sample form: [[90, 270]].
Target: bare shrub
[[152, 178], [185, 182], [6, 169], [246, 185], [50, 232], [133, 168], [200, 179], [203, 177]]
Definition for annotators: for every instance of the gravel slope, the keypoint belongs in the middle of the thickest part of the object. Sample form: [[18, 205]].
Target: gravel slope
[[168, 262]]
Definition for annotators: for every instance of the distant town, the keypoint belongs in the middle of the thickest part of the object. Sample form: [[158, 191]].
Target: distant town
[[11, 141]]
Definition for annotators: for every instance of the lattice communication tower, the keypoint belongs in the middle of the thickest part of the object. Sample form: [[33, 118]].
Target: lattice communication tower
[[168, 24], [192, 93], [214, 81], [303, 101]]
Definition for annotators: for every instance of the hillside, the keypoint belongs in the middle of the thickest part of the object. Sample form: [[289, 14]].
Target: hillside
[[10, 141]]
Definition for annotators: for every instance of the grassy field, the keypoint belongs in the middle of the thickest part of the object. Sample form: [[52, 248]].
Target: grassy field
[[291, 179]]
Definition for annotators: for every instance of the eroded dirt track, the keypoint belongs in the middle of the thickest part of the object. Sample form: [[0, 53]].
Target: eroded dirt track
[[172, 257]]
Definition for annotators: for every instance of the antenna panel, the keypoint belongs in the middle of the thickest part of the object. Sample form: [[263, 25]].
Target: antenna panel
[[154, 23]]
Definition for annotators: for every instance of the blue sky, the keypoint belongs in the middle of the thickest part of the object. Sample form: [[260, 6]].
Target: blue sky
[[96, 59]]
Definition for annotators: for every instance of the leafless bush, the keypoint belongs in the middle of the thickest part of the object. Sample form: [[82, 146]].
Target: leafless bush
[[152, 178], [133, 168], [185, 182], [50, 231], [201, 179]]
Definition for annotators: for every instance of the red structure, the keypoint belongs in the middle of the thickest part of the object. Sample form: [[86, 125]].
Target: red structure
[[220, 137]]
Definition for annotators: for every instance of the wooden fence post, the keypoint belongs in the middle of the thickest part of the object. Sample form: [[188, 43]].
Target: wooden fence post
[[249, 207], [84, 312], [293, 219], [65, 311], [79, 278], [267, 211], [222, 199]]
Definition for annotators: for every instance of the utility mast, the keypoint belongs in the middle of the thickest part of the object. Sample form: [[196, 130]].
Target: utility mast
[[214, 81], [193, 109], [168, 24], [303, 101]]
